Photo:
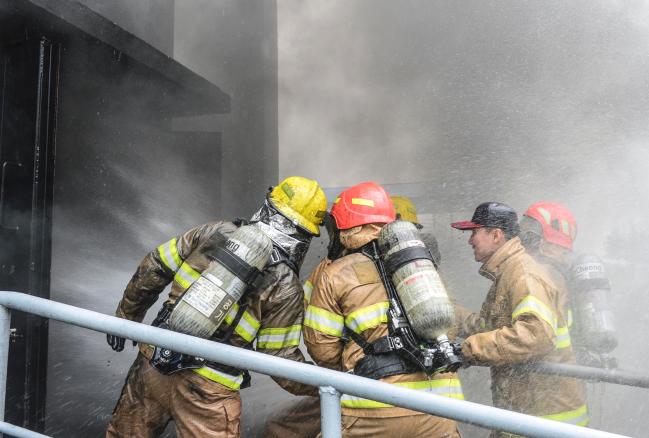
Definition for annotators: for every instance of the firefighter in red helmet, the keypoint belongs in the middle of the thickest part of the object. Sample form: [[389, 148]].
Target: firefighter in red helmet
[[548, 231], [349, 295]]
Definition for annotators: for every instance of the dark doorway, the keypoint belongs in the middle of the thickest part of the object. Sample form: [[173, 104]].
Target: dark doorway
[[29, 73]]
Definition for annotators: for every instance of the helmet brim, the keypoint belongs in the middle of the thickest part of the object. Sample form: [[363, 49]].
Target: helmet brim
[[297, 218]]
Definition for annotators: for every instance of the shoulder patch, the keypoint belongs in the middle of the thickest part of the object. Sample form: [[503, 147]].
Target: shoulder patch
[[366, 272]]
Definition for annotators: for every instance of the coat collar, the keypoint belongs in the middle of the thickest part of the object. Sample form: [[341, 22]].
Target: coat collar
[[492, 268]]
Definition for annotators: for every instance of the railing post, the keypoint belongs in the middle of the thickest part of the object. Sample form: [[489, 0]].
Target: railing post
[[330, 412], [5, 335]]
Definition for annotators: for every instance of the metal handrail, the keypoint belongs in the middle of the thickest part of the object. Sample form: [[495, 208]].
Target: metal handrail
[[19, 432], [331, 383], [616, 376]]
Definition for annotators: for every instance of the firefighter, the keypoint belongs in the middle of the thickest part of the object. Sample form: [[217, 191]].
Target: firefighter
[[548, 232], [406, 211], [204, 401], [302, 418], [349, 295], [523, 319]]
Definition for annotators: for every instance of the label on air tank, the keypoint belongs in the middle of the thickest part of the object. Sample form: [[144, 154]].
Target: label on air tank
[[422, 286], [208, 298]]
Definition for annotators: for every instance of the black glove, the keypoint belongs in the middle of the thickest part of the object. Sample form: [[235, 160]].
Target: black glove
[[117, 343]]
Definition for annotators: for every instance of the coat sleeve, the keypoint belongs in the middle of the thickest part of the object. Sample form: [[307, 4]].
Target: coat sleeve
[[467, 322], [282, 313], [155, 272], [323, 325], [532, 333]]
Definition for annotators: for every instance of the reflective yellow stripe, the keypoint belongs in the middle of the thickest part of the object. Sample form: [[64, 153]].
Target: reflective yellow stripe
[[531, 304], [308, 288], [229, 317], [563, 338], [169, 254], [276, 338], [361, 201], [248, 325], [570, 318], [186, 275], [324, 321], [451, 388], [227, 380], [368, 317], [578, 417]]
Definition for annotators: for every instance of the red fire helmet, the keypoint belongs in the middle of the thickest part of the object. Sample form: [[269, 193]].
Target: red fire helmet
[[557, 222], [364, 203]]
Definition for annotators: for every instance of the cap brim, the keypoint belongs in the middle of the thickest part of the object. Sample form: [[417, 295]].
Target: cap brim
[[466, 225]]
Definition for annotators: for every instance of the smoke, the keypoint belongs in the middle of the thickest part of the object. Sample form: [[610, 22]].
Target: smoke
[[454, 104]]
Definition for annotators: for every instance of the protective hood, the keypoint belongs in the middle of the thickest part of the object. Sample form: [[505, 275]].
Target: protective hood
[[286, 236], [354, 238]]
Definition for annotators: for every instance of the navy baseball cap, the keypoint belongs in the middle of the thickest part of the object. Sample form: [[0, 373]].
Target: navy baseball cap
[[493, 215]]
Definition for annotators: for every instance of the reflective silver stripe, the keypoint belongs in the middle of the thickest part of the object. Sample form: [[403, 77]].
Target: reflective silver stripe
[[368, 317], [247, 327], [324, 321], [451, 388], [169, 254], [225, 379], [277, 338], [186, 275], [531, 304]]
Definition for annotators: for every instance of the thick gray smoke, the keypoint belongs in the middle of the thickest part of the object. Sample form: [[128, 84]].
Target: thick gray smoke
[[459, 103], [452, 103]]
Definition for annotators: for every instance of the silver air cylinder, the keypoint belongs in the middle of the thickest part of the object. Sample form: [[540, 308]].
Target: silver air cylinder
[[594, 321], [417, 282], [204, 305]]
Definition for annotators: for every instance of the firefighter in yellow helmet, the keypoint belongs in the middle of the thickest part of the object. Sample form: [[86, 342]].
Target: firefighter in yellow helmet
[[301, 418], [203, 400], [406, 211]]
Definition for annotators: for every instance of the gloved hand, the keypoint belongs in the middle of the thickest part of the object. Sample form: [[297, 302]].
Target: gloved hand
[[117, 343]]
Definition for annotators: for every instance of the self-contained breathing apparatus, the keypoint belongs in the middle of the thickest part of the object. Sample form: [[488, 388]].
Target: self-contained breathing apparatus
[[594, 326], [419, 313], [235, 268]]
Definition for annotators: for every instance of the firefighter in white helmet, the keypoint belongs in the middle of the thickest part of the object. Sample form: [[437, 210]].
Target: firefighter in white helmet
[[203, 398]]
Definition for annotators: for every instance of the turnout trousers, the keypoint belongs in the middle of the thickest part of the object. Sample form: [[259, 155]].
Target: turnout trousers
[[399, 427], [198, 407]]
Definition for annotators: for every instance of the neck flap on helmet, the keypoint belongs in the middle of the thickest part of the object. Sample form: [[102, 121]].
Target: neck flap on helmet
[[284, 233]]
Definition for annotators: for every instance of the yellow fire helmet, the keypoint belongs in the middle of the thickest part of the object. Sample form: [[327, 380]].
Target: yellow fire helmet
[[302, 201], [405, 209]]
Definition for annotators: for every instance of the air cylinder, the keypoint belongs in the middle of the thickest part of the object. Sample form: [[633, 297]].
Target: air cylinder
[[417, 282], [204, 305], [594, 322]]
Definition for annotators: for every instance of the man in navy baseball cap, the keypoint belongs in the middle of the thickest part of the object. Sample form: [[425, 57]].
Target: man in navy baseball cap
[[490, 216]]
